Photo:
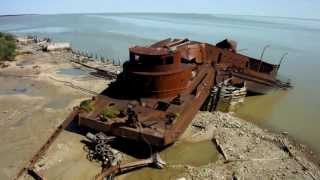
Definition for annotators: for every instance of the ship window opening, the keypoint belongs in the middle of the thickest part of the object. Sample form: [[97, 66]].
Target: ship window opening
[[184, 60], [219, 58], [169, 60], [146, 60], [162, 106]]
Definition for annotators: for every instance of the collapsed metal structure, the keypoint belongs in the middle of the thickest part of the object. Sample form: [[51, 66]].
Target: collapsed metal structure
[[163, 85]]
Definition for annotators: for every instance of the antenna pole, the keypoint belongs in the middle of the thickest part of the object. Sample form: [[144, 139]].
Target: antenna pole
[[282, 58], [264, 49]]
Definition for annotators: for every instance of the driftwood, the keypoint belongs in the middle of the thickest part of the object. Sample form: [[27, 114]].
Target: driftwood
[[154, 160], [220, 148]]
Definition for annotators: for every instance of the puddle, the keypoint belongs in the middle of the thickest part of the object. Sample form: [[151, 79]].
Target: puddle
[[22, 88], [194, 154], [155, 174], [73, 72], [25, 63]]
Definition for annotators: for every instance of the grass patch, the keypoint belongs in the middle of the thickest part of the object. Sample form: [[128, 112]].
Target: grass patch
[[111, 112], [7, 47], [86, 105]]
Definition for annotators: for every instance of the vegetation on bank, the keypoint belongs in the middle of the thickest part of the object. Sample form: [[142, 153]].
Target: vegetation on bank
[[111, 112], [7, 47], [86, 105]]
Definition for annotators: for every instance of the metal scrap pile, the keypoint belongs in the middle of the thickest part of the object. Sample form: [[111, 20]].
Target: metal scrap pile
[[101, 151]]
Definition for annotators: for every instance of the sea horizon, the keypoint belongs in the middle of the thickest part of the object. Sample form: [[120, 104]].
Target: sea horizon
[[155, 13]]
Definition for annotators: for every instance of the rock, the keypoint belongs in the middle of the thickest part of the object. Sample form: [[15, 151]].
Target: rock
[[4, 64], [248, 150], [231, 125], [41, 164]]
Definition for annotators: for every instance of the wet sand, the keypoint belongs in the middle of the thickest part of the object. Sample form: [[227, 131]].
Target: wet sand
[[27, 120], [34, 101]]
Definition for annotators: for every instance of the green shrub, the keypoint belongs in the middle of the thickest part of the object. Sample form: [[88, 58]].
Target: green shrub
[[7, 47], [86, 105], [111, 112]]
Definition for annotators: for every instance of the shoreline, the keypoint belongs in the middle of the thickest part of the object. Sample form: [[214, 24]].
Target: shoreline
[[241, 143], [310, 151], [227, 128]]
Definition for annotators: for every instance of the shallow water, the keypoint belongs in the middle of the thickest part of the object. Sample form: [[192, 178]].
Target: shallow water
[[184, 153], [285, 112], [195, 154], [72, 72], [15, 87]]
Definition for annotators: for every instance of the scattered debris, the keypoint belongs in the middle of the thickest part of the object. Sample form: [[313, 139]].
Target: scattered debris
[[100, 150], [56, 46], [248, 152], [155, 160]]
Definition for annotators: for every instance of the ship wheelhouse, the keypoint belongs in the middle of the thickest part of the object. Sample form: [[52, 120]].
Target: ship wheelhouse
[[157, 72]]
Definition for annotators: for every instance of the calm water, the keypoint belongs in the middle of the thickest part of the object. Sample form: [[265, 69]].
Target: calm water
[[110, 35]]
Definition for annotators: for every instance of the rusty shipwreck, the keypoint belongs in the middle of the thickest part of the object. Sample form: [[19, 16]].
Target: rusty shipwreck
[[161, 88]]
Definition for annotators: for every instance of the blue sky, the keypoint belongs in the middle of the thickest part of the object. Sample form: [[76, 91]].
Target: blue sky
[[285, 8]]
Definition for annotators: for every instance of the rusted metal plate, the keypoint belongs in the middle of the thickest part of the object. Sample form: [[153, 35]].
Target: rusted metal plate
[[157, 127], [149, 51]]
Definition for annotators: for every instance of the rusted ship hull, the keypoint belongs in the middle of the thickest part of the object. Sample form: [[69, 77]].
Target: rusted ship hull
[[155, 127], [255, 85], [259, 76], [166, 83]]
